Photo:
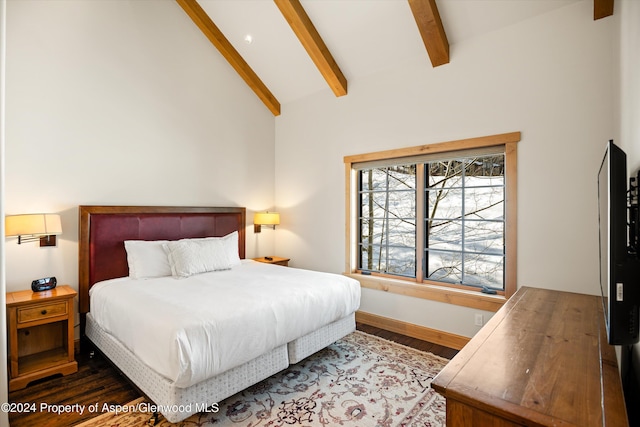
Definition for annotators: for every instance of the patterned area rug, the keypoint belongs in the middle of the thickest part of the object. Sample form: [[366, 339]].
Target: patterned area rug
[[361, 380]]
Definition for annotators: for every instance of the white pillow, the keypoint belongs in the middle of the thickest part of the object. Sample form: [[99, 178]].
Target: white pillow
[[147, 258], [193, 256], [230, 246]]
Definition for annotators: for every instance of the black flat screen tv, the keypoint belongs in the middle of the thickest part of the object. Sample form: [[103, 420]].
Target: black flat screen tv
[[619, 265]]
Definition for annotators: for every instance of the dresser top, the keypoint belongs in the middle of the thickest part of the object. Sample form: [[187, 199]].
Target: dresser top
[[543, 357]]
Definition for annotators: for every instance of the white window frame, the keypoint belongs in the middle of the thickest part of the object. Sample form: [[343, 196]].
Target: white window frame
[[418, 287]]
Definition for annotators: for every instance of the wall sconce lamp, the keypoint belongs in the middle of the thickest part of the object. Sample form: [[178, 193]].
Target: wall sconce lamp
[[265, 218], [33, 227]]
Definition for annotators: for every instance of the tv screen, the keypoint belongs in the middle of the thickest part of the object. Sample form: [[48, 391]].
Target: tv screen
[[618, 269]]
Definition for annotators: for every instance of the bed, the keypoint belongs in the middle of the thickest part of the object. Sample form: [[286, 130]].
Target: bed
[[192, 337]]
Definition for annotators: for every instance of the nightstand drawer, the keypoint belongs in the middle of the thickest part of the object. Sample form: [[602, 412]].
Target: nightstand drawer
[[44, 311]]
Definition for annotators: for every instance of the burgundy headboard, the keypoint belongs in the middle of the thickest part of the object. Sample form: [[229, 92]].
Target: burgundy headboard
[[103, 230]]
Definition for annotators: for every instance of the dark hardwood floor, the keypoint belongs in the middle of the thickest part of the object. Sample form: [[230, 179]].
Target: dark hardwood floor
[[436, 349], [97, 381]]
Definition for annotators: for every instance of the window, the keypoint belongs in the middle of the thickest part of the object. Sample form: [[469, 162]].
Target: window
[[387, 220], [445, 218], [464, 238]]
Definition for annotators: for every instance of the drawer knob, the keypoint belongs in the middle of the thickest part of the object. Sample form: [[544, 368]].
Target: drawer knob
[[43, 312]]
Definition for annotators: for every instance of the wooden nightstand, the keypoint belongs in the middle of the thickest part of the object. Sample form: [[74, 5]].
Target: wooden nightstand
[[41, 339], [274, 260]]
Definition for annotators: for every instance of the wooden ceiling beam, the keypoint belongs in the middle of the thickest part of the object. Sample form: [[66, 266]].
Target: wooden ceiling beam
[[215, 36], [427, 17], [306, 32], [602, 9]]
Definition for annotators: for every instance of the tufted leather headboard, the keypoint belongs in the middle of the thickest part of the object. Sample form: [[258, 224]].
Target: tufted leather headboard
[[103, 230]]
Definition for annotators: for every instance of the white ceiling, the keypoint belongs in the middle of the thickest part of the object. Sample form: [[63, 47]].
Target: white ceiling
[[364, 36]]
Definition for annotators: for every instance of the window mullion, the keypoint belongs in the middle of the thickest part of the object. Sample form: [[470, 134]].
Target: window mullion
[[386, 225], [463, 221], [420, 221]]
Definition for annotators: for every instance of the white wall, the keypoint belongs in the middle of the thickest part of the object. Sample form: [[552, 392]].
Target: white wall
[[124, 102], [549, 77], [628, 82]]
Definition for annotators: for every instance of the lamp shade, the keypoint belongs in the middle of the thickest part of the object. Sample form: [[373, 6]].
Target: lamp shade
[[33, 225], [266, 218]]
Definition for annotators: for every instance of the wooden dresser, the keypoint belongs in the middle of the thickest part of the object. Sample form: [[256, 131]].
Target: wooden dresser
[[542, 360]]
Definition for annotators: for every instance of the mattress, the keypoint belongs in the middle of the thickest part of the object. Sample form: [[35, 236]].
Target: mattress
[[194, 328]]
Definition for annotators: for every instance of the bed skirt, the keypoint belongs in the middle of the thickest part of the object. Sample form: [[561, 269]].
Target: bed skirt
[[177, 403], [307, 345]]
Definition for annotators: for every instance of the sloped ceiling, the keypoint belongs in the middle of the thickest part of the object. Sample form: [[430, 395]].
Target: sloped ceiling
[[362, 36]]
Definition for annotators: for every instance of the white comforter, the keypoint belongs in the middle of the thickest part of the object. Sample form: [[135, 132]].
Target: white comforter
[[194, 328]]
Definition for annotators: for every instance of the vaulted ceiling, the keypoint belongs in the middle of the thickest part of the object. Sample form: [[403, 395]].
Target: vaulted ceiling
[[288, 49]]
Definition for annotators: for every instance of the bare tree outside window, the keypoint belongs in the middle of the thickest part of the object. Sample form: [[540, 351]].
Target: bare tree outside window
[[464, 220], [388, 220]]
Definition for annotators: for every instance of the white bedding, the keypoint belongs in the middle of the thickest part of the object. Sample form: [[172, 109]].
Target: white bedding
[[191, 329]]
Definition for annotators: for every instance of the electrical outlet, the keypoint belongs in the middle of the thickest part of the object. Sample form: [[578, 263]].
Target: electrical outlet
[[479, 319]]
